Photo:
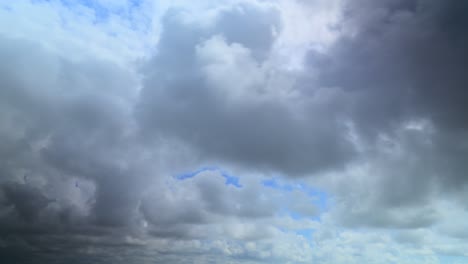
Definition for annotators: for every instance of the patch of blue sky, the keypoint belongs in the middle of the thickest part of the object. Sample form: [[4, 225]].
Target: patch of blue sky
[[298, 216], [135, 3], [306, 233], [101, 13], [229, 178], [6, 7], [319, 197], [451, 259], [275, 184], [192, 174], [294, 215]]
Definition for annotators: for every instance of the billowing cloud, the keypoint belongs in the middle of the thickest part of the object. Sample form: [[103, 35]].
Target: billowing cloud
[[234, 132], [218, 98]]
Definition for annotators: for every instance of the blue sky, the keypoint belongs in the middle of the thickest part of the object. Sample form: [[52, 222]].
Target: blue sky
[[230, 179]]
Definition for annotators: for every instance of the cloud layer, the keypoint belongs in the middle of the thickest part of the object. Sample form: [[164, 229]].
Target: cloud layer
[[234, 132]]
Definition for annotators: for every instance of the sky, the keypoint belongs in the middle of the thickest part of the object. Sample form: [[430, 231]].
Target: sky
[[235, 131]]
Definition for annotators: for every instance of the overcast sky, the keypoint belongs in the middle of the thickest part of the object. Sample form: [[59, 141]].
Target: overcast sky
[[236, 131]]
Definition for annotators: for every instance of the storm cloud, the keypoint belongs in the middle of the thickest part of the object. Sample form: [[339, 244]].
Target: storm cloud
[[233, 132]]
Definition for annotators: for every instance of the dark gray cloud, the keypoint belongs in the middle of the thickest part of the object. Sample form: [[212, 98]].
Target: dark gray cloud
[[78, 181], [24, 200], [411, 55], [250, 26], [183, 98], [88, 153], [62, 134], [402, 65]]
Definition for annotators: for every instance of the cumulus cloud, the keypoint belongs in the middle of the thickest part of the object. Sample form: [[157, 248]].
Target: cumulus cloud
[[234, 132], [226, 104], [400, 64]]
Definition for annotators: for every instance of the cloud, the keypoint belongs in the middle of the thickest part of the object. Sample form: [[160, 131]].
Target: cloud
[[219, 99], [399, 64], [342, 141]]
